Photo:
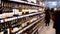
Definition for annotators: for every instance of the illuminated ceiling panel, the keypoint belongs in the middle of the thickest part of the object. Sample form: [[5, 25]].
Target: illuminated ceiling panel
[[51, 0], [51, 4]]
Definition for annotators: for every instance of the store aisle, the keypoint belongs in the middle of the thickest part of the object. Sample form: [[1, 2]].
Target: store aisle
[[48, 29]]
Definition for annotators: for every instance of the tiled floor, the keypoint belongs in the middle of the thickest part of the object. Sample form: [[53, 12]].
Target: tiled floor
[[48, 29]]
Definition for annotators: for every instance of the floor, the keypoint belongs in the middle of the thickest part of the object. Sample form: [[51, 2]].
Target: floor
[[48, 29]]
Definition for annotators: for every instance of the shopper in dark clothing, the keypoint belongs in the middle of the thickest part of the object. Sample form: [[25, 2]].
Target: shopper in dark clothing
[[47, 17], [57, 22], [52, 10], [52, 13]]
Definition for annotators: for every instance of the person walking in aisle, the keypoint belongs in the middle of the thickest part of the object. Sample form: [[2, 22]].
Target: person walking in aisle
[[52, 13], [47, 16], [57, 21]]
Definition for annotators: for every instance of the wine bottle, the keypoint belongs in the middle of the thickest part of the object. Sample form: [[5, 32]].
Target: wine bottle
[[1, 27], [20, 24], [23, 22], [14, 26], [15, 9]]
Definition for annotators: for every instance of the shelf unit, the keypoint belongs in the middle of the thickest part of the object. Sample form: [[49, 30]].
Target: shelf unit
[[28, 26], [20, 17], [13, 18], [25, 2]]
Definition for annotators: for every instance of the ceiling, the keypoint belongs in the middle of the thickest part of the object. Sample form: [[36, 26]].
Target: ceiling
[[52, 4], [51, 0]]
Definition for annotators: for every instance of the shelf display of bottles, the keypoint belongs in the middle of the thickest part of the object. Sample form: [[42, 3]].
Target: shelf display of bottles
[[6, 9], [17, 9], [33, 18], [5, 27], [30, 2], [19, 18], [33, 29], [14, 28], [25, 22]]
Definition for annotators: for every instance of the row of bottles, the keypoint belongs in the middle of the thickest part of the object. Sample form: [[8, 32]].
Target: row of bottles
[[32, 29], [15, 9], [18, 24], [12, 9], [13, 26]]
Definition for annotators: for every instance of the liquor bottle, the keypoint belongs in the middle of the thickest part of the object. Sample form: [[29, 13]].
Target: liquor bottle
[[30, 19], [1, 27], [14, 26], [30, 30], [20, 24], [23, 22], [33, 18], [23, 9], [15, 9], [20, 9], [11, 23], [7, 31], [33, 28], [6, 27], [7, 9], [27, 19], [26, 10]]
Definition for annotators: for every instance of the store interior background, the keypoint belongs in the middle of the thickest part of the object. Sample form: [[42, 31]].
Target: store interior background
[[52, 3], [32, 13]]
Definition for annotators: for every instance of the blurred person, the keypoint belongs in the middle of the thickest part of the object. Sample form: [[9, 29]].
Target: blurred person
[[47, 16], [52, 14], [52, 10], [57, 21]]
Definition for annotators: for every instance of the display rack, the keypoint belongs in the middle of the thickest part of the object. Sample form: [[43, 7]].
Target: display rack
[[25, 2], [28, 26], [20, 17], [13, 18]]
